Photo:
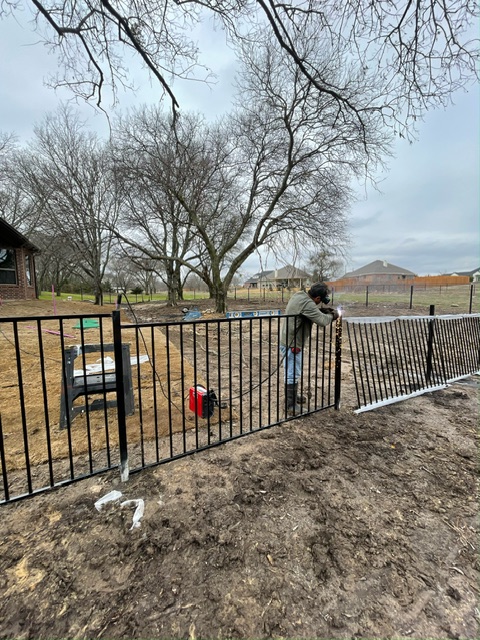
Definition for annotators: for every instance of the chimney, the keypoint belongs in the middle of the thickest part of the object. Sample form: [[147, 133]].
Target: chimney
[[385, 263]]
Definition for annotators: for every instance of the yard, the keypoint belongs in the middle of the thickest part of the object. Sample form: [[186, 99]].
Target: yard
[[335, 525]]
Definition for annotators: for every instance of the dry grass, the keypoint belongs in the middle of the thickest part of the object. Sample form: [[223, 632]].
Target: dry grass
[[36, 429]]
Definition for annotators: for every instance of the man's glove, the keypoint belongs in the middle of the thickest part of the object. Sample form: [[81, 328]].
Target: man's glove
[[331, 311]]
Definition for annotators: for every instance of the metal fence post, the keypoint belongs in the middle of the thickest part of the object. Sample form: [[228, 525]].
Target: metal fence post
[[120, 388], [471, 299], [366, 296], [411, 296], [338, 361], [430, 344]]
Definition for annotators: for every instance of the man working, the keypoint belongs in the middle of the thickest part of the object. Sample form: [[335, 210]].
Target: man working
[[296, 332]]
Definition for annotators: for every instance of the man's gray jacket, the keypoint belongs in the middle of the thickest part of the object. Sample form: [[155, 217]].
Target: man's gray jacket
[[296, 331]]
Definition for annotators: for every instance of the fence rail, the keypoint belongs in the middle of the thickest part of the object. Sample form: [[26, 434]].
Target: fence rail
[[398, 358], [72, 407]]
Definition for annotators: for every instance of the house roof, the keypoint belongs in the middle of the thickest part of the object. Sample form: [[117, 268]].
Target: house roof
[[257, 276], [379, 267], [464, 273], [288, 271], [11, 238]]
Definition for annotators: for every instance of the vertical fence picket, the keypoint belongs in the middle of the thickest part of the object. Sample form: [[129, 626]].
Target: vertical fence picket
[[22, 407], [338, 362], [182, 392], [120, 393], [6, 492], [153, 362], [45, 402]]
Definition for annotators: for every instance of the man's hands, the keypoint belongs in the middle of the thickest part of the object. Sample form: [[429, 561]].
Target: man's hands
[[331, 311]]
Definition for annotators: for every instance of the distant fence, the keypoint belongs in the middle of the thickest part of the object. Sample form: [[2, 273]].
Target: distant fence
[[417, 281], [398, 358], [407, 295], [75, 401]]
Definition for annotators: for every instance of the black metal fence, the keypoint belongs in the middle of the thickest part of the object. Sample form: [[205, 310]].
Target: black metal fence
[[216, 380], [397, 358], [80, 395]]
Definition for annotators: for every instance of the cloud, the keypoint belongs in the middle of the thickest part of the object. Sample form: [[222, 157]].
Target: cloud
[[366, 221], [427, 217]]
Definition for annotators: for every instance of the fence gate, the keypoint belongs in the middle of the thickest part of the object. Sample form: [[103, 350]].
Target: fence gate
[[396, 358]]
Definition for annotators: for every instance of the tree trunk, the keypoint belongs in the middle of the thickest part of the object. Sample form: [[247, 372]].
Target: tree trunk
[[178, 278], [174, 285], [98, 293], [217, 289], [171, 297], [219, 294]]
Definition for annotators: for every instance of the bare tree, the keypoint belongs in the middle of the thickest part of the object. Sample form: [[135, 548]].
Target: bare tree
[[323, 265], [184, 197], [69, 172], [416, 53], [11, 203], [7, 144], [18, 205], [55, 264], [277, 171], [120, 271], [165, 175], [145, 275]]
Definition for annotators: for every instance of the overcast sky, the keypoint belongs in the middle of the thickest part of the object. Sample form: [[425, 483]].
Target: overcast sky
[[426, 217]]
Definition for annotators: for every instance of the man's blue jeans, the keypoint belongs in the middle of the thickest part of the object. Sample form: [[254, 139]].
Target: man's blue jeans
[[292, 363]]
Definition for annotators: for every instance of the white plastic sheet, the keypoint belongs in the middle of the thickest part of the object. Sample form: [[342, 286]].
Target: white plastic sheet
[[139, 511], [108, 365], [109, 497]]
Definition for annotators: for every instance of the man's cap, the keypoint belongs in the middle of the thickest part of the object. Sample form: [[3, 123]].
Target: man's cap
[[318, 290]]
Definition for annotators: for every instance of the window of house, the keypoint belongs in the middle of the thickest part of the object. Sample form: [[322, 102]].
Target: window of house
[[8, 272], [28, 269]]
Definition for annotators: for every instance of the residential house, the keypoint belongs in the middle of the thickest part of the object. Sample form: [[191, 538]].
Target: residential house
[[474, 275], [377, 273], [17, 264], [257, 281], [288, 277]]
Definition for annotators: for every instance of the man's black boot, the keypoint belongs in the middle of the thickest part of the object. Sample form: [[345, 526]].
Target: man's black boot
[[300, 399], [293, 409]]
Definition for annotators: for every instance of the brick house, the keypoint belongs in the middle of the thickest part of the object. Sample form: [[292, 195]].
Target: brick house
[[379, 273], [17, 265]]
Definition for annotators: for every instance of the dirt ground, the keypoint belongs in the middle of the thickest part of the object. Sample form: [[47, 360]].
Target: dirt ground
[[335, 525]]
